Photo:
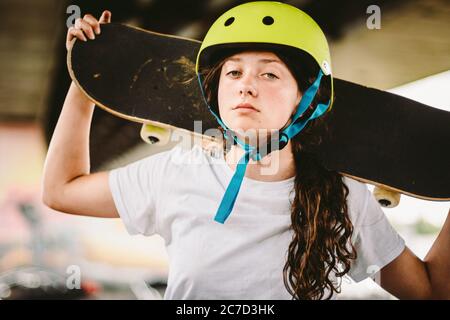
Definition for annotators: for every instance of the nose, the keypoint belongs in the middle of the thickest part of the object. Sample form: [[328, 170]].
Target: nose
[[247, 86]]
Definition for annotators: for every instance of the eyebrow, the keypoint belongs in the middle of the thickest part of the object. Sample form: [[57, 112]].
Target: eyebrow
[[260, 60]]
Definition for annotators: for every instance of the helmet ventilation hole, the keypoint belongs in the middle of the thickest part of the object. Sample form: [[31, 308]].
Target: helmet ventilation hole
[[267, 20], [229, 21]]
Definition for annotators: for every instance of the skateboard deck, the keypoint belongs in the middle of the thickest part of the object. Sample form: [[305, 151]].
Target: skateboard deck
[[375, 136]]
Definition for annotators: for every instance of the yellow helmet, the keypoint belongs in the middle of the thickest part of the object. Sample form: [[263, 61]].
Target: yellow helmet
[[267, 23]]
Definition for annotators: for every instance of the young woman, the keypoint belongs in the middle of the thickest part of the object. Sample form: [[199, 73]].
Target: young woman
[[266, 220]]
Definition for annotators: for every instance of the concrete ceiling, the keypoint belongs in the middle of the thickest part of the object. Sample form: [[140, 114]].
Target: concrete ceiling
[[28, 36], [413, 43]]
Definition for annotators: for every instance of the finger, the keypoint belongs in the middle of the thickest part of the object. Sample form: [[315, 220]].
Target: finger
[[93, 22], [69, 35], [86, 27], [106, 17], [74, 32]]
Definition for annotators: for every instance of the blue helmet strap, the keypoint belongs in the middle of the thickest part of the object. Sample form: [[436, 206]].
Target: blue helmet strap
[[251, 152]]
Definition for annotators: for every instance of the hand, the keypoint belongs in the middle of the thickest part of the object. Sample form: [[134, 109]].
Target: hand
[[88, 26]]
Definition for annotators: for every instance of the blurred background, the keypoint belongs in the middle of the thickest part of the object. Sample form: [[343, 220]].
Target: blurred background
[[46, 254]]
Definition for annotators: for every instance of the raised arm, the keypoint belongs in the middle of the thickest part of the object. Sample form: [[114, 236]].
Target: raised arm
[[68, 185]]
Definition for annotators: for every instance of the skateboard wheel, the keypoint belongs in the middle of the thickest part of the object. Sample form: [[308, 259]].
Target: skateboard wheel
[[386, 198], [152, 134]]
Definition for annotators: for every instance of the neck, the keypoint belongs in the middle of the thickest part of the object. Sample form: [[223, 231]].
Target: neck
[[276, 166]]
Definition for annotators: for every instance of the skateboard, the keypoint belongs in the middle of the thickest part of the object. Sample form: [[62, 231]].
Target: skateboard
[[394, 143]]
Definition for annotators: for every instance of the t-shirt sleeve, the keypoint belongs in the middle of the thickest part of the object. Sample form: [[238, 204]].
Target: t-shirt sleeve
[[376, 242], [135, 189]]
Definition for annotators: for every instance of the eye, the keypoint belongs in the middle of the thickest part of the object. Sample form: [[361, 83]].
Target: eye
[[234, 73], [270, 75]]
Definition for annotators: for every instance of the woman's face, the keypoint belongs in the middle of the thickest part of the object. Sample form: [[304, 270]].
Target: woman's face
[[256, 91]]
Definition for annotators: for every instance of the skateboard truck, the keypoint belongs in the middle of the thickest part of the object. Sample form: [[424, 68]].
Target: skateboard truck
[[153, 134], [386, 197]]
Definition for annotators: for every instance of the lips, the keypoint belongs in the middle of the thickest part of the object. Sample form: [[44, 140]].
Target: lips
[[245, 106]]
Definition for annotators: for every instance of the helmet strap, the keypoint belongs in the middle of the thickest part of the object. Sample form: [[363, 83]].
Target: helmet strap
[[294, 128]]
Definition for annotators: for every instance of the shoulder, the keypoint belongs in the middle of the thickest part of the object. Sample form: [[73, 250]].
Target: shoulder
[[358, 192], [178, 155], [184, 156], [178, 160], [363, 208]]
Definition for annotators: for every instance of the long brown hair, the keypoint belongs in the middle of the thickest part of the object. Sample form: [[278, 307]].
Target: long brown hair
[[322, 230]]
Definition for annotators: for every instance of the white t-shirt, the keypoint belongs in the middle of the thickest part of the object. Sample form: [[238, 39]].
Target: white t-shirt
[[176, 194]]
